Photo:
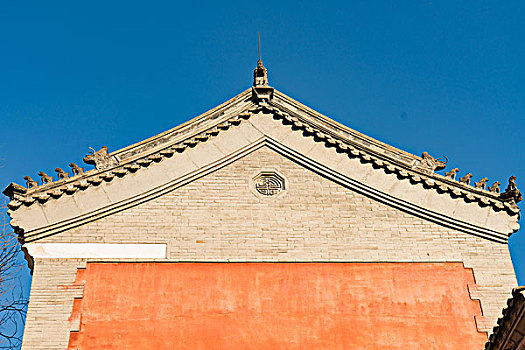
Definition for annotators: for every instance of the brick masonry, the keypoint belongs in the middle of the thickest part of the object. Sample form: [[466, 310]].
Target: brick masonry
[[219, 218]]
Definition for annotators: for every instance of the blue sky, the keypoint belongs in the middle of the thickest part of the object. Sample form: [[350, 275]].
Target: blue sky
[[445, 77]]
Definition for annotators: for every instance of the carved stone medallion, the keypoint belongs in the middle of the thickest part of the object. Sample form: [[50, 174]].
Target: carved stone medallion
[[268, 183]]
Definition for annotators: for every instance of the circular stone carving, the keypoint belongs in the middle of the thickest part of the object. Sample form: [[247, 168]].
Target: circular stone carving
[[268, 183]]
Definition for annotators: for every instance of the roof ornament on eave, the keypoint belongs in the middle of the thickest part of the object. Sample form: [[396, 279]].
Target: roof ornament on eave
[[261, 91], [429, 164], [100, 159], [512, 194]]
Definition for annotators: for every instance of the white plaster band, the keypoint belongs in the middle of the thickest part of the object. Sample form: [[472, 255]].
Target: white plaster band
[[96, 250]]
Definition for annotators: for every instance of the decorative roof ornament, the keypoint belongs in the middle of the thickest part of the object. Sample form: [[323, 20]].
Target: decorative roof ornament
[[76, 169], [30, 182], [481, 183], [45, 178], [466, 179], [261, 90], [260, 74], [511, 194], [430, 164], [452, 173], [100, 159], [495, 187], [61, 174]]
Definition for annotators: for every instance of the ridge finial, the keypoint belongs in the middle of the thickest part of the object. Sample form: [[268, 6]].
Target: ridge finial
[[259, 44], [260, 74]]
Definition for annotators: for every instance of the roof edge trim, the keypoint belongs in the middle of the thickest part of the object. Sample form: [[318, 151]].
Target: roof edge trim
[[154, 152], [291, 154]]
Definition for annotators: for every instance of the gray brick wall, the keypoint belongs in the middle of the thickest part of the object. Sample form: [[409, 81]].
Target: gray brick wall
[[219, 218]]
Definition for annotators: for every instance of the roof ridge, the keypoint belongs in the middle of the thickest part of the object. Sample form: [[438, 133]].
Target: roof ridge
[[429, 180], [425, 165], [144, 153], [20, 195], [211, 114], [344, 128]]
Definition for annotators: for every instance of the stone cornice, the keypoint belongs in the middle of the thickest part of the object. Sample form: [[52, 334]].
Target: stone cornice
[[42, 232], [232, 113]]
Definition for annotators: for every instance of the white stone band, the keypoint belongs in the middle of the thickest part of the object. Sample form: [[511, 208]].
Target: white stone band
[[96, 250]]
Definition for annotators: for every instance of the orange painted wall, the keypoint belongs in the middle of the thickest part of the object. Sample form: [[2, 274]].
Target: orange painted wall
[[276, 306]]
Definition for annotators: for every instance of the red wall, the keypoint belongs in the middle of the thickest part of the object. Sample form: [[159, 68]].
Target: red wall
[[276, 306]]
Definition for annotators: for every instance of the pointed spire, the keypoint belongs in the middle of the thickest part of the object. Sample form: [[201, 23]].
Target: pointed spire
[[260, 74], [259, 44], [261, 92]]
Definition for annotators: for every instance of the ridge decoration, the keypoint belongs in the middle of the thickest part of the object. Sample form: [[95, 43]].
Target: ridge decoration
[[100, 159], [109, 166]]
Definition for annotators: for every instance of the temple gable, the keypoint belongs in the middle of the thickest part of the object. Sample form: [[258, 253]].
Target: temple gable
[[259, 181]]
